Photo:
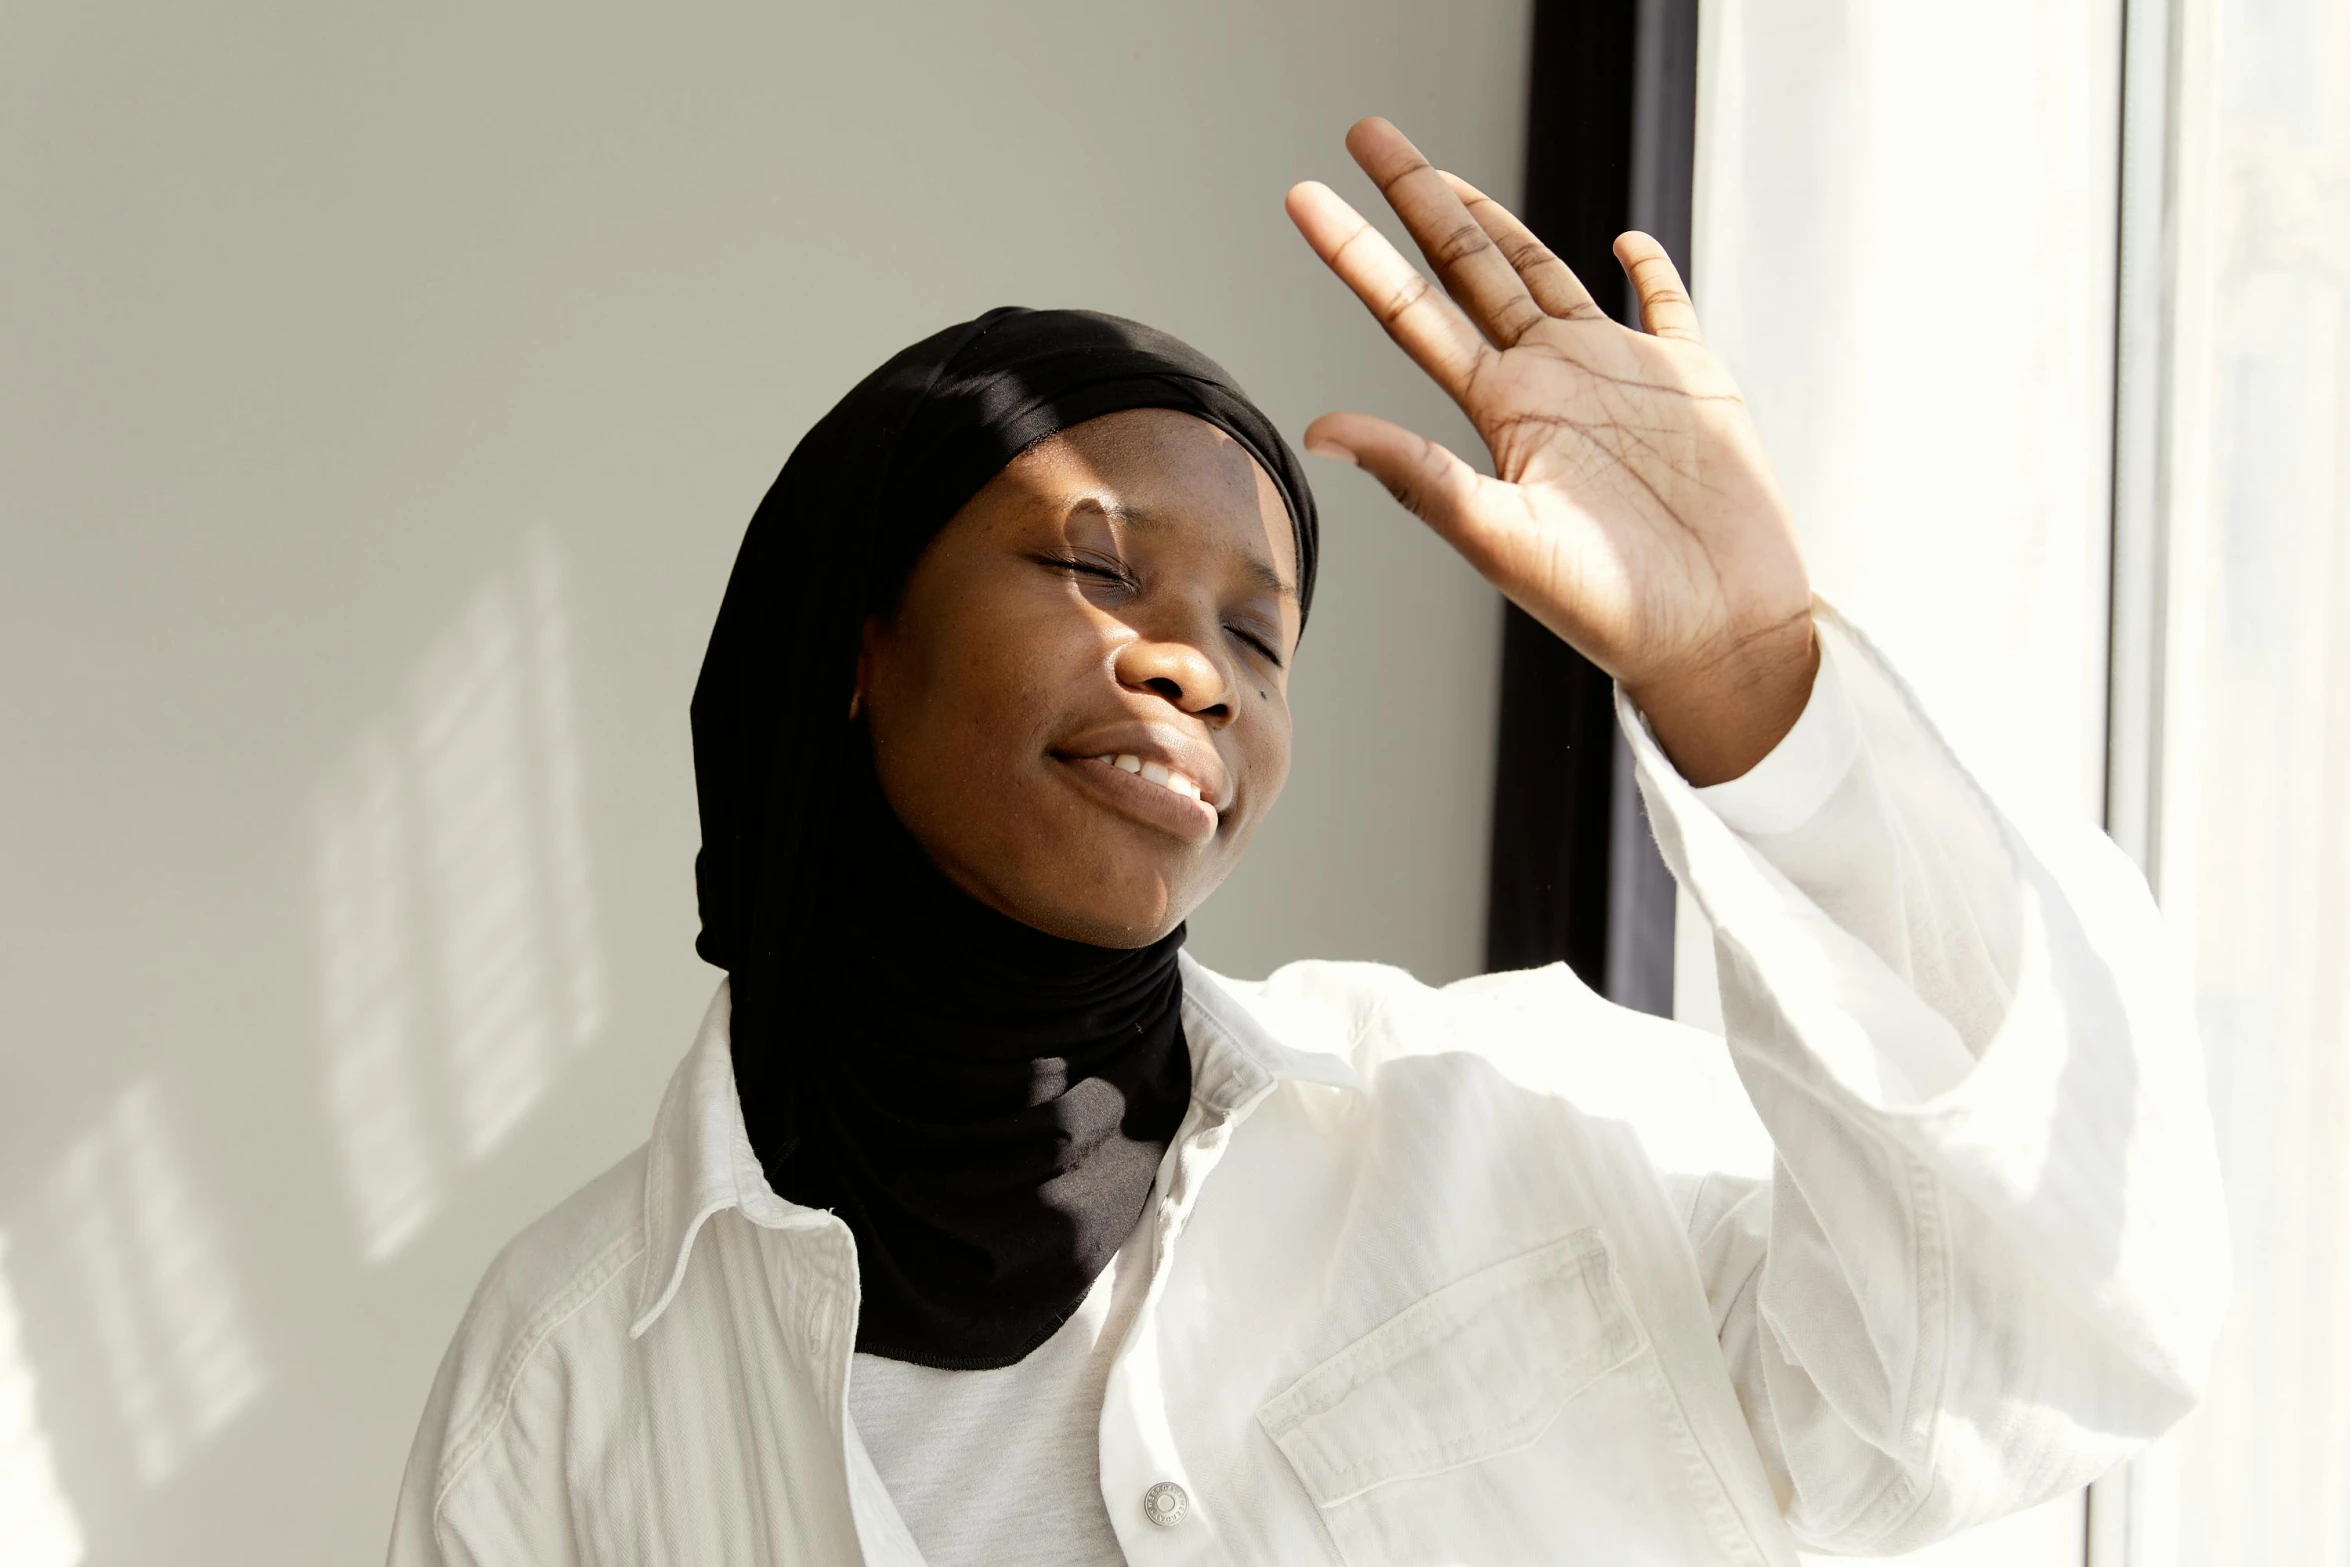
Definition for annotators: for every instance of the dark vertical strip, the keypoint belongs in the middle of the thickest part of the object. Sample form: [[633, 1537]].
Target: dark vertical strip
[[1611, 139], [1547, 897], [1639, 899], [1554, 777], [1664, 126], [1664, 170]]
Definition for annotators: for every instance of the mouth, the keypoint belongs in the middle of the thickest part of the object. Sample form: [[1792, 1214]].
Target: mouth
[[1158, 773], [1148, 791]]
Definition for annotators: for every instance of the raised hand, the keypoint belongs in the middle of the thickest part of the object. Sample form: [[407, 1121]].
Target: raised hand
[[1632, 509]]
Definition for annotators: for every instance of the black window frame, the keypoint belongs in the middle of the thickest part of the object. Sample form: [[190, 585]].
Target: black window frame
[[1611, 136]]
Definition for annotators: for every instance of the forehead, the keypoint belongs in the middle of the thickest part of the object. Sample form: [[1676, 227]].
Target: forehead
[[1166, 472]]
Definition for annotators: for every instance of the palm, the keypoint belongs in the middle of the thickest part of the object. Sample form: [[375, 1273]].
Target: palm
[[1631, 507]]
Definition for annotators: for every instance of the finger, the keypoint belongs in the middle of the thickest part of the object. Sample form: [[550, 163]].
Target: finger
[[1550, 281], [1466, 261], [1422, 321], [1665, 310], [1426, 479]]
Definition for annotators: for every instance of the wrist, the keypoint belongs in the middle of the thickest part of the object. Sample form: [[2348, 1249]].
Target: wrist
[[1714, 722]]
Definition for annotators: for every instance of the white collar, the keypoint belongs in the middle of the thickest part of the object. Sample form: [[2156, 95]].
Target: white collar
[[700, 1160]]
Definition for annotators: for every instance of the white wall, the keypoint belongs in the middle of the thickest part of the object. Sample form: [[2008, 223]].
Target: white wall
[[1904, 251], [382, 395]]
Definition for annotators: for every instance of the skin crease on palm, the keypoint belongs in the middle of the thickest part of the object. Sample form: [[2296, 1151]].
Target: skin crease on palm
[[1117, 591]]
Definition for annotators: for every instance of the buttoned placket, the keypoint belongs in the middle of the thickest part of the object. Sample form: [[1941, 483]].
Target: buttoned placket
[[812, 1270], [1153, 1504], [815, 1278]]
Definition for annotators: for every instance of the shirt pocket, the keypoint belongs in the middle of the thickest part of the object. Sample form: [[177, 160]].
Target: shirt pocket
[[1518, 1415]]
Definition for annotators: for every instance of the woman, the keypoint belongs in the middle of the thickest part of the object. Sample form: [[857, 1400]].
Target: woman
[[982, 1225]]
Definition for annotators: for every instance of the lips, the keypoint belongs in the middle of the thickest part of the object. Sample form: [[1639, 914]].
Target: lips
[[1152, 775]]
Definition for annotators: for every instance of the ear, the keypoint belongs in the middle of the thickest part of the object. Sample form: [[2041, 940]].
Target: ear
[[868, 641]]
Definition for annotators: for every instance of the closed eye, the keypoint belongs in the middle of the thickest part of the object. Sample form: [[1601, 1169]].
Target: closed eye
[[1257, 642], [1097, 570]]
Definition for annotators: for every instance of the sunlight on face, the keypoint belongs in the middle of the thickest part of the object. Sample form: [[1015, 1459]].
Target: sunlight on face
[[1079, 705]]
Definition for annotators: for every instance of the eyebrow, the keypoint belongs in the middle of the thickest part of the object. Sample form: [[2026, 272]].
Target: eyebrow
[[1260, 570]]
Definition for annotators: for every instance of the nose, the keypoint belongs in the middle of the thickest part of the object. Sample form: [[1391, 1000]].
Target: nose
[[1178, 671]]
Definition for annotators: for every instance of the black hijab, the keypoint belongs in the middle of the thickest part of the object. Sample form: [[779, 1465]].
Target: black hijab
[[985, 1105]]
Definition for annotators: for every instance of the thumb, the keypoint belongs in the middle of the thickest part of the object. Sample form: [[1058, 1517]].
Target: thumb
[[1426, 479]]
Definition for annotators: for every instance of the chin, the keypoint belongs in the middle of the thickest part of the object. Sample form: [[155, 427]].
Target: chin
[[1108, 927], [1125, 906]]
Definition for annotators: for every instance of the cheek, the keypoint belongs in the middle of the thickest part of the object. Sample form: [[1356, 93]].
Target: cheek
[[971, 706], [1265, 753]]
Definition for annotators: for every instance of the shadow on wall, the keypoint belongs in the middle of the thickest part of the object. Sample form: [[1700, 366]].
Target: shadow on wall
[[37, 1525], [459, 976], [453, 906], [151, 1285], [148, 1259]]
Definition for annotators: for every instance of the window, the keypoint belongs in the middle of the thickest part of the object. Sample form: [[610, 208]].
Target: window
[[2044, 311], [2232, 728]]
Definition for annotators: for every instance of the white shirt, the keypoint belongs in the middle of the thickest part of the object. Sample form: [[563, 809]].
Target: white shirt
[[1490, 1272]]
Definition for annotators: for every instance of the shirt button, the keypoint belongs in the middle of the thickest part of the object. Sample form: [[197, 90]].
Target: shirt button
[[1165, 1504]]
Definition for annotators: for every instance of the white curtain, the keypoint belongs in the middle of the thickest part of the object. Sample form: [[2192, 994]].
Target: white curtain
[[1904, 249], [2252, 828]]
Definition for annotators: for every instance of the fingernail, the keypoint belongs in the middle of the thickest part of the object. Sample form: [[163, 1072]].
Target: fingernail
[[1330, 448]]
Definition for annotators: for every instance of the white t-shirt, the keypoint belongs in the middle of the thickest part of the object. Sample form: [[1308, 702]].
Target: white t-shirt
[[1002, 1468]]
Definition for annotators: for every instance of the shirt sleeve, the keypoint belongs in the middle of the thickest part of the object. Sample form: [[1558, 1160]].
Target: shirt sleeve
[[1990, 1259]]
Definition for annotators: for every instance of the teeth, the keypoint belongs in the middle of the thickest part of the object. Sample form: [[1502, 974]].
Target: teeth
[[1156, 772]]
